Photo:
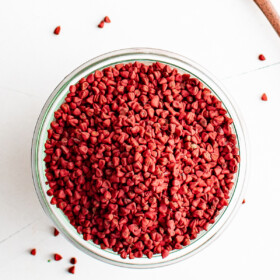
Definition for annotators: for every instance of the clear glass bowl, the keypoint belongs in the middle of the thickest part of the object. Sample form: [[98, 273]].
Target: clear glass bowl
[[147, 56]]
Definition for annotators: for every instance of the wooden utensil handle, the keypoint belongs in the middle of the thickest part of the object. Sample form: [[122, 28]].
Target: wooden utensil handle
[[270, 13]]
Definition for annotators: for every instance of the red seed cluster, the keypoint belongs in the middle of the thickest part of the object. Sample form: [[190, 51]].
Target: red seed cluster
[[140, 158]]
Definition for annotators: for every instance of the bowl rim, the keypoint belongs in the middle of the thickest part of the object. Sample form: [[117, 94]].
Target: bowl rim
[[145, 52]]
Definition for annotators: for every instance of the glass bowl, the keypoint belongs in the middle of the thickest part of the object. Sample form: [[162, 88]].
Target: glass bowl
[[147, 56]]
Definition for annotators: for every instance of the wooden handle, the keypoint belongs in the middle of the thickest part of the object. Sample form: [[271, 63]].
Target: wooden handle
[[270, 13]]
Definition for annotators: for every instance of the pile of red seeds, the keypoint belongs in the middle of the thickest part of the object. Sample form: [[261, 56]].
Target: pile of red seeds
[[140, 158]]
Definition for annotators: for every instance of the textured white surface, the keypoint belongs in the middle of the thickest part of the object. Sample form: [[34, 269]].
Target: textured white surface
[[225, 37]]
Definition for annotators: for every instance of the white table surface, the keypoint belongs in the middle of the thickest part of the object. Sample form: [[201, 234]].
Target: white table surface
[[225, 37]]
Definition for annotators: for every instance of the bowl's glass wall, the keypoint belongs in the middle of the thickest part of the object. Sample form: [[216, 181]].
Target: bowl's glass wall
[[147, 56]]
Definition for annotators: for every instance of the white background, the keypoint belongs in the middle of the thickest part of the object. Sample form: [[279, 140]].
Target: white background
[[225, 37]]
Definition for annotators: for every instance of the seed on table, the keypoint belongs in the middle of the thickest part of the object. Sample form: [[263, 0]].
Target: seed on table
[[57, 257], [73, 260], [33, 252], [243, 201], [101, 24], [261, 57], [71, 269], [107, 19], [57, 30], [264, 97], [55, 232]]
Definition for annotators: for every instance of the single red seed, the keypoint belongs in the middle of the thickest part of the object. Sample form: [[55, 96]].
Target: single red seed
[[57, 257], [164, 253], [101, 24], [33, 252], [264, 97], [155, 101], [73, 260], [107, 19], [243, 201], [71, 269], [57, 30], [55, 232], [261, 57]]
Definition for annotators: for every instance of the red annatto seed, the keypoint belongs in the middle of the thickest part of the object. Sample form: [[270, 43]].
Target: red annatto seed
[[71, 269], [264, 97], [164, 253], [101, 24], [261, 57], [140, 159], [155, 102], [243, 201], [33, 252], [55, 232], [73, 260], [107, 19], [57, 257], [57, 30]]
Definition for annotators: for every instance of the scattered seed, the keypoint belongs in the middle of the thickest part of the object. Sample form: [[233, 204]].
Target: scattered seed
[[261, 57], [73, 260], [57, 257], [244, 201], [57, 30], [33, 252], [71, 269], [264, 97], [101, 24], [55, 232], [107, 19]]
